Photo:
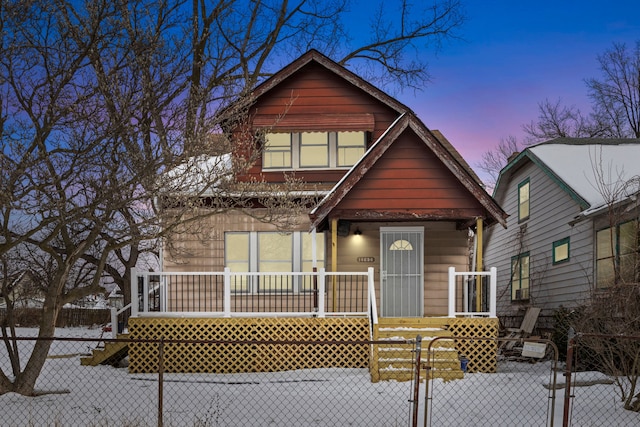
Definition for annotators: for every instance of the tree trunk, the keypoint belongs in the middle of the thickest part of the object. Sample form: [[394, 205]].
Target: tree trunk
[[24, 382]]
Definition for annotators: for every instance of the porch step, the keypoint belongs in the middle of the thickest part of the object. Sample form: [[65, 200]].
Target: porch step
[[111, 354], [395, 361]]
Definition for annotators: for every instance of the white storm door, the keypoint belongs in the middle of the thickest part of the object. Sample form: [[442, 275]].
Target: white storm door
[[401, 271]]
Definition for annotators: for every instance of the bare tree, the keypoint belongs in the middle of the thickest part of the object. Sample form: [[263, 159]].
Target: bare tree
[[558, 121], [495, 159], [616, 97], [114, 120], [615, 110]]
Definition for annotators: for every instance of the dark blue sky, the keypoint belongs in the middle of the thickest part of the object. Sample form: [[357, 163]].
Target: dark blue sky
[[515, 55]]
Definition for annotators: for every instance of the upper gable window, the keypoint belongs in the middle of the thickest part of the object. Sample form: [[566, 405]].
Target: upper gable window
[[313, 150], [277, 151], [523, 200], [351, 146]]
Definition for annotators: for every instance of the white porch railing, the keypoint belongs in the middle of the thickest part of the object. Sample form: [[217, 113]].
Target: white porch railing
[[229, 294], [316, 294], [463, 301]]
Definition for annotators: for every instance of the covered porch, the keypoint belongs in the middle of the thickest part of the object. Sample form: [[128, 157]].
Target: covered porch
[[305, 310]]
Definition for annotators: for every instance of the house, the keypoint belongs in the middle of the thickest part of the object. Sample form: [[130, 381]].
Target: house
[[572, 227], [395, 206], [22, 291]]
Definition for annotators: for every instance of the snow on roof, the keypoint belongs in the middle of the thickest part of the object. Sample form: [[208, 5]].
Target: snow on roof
[[199, 174], [594, 170]]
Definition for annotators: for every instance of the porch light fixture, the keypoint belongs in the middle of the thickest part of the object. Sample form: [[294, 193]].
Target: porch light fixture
[[357, 232]]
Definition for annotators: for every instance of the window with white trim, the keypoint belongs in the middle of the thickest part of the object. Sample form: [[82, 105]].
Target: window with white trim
[[313, 150], [265, 252]]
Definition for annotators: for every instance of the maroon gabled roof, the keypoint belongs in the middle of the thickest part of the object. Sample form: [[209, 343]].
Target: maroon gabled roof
[[315, 56], [377, 150]]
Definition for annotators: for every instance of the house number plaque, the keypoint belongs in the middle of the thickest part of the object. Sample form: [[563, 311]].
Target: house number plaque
[[366, 259]]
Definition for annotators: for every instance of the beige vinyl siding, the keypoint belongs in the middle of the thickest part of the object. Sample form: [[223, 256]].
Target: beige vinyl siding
[[444, 247], [202, 247]]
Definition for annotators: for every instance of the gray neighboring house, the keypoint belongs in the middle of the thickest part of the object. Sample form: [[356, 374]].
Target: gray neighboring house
[[572, 227]]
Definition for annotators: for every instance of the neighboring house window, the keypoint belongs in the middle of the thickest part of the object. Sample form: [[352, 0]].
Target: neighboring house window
[[561, 250], [269, 252], [617, 254], [313, 150], [520, 277], [523, 200]]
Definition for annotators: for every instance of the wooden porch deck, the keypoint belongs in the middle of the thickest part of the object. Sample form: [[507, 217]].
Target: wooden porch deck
[[235, 345]]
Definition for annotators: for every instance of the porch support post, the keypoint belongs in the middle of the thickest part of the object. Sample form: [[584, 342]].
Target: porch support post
[[334, 261], [452, 291], [479, 264], [226, 302]]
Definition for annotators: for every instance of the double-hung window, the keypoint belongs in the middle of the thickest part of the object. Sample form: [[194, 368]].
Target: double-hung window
[[312, 150], [272, 252], [617, 254], [277, 151], [520, 270]]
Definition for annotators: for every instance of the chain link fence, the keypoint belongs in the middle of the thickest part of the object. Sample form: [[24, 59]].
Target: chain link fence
[[602, 374], [521, 392], [529, 387], [69, 394]]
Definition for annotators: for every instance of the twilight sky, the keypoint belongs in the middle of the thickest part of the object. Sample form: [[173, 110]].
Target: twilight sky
[[516, 54]]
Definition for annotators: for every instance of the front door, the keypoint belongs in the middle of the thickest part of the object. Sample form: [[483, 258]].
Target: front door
[[401, 271]]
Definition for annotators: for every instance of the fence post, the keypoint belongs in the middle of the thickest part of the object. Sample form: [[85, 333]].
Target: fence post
[[226, 301], [321, 289], [160, 381], [416, 385], [567, 386], [452, 291]]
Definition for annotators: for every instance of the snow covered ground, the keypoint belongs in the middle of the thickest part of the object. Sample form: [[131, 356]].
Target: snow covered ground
[[75, 395]]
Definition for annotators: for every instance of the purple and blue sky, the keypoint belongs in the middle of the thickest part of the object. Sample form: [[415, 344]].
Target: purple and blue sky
[[515, 55]]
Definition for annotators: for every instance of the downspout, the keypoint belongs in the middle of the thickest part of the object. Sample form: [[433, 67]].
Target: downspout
[[334, 259], [479, 264]]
